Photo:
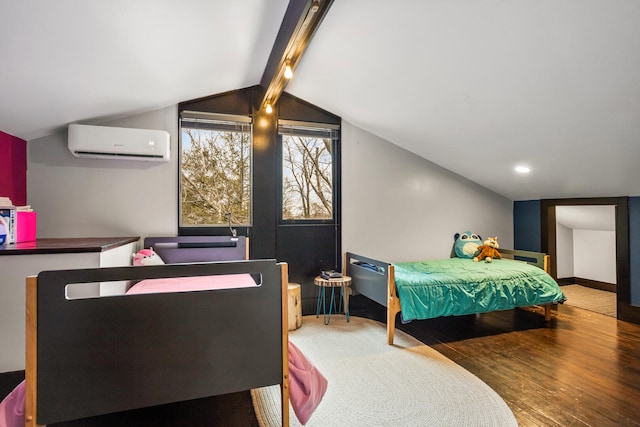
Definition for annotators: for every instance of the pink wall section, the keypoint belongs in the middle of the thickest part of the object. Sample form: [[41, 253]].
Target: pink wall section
[[13, 168]]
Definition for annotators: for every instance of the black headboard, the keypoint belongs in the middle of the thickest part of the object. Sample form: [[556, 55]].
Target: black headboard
[[183, 249]]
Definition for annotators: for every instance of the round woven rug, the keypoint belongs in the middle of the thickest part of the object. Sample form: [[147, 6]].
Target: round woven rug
[[374, 384]]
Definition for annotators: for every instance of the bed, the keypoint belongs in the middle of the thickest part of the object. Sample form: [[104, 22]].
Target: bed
[[99, 355], [455, 286]]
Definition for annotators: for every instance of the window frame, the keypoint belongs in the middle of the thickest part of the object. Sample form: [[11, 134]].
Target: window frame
[[221, 121], [334, 130]]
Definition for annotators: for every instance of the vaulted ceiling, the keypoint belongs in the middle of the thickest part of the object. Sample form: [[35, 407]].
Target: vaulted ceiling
[[475, 87]]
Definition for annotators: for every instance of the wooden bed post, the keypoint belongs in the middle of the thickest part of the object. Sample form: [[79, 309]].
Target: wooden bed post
[[344, 264], [393, 305], [547, 307], [545, 263], [284, 387], [31, 352]]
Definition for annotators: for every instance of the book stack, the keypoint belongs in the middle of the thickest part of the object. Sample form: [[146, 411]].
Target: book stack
[[7, 221], [330, 274]]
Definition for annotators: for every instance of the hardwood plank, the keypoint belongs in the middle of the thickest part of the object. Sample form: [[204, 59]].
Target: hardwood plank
[[581, 368]]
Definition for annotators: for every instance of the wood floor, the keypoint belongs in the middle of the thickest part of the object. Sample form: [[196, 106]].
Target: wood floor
[[603, 302], [583, 369], [580, 369]]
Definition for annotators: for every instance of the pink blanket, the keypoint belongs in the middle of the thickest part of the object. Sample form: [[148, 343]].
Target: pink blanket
[[189, 284], [306, 389], [306, 384], [12, 408]]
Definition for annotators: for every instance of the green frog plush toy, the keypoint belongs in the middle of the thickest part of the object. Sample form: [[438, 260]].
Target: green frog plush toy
[[466, 244]]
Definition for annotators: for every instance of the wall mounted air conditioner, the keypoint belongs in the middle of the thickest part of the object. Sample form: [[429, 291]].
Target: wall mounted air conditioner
[[105, 142]]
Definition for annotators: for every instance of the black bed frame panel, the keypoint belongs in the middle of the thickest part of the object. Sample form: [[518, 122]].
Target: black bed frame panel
[[372, 284], [183, 249], [110, 354]]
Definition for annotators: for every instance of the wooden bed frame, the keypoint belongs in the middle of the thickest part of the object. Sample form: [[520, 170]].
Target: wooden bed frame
[[94, 356], [380, 285]]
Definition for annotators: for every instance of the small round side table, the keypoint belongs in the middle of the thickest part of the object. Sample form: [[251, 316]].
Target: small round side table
[[344, 284]]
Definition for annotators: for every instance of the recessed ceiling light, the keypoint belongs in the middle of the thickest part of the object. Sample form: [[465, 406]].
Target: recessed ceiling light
[[522, 169]]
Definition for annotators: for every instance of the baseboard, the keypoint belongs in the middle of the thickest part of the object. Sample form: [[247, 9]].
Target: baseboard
[[595, 284], [9, 381], [629, 313]]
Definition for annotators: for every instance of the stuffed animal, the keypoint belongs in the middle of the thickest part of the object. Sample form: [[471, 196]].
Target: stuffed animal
[[147, 257], [466, 244], [489, 250]]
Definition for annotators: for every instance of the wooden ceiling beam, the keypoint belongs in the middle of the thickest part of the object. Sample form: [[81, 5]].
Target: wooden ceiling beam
[[300, 22]]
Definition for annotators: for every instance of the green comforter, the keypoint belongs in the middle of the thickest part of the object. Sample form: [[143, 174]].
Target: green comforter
[[456, 286]]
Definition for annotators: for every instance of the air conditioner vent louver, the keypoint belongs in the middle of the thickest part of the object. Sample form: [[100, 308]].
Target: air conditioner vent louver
[[104, 142], [99, 154]]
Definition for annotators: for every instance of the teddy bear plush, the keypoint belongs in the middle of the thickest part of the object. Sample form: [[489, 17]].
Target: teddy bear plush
[[488, 250]]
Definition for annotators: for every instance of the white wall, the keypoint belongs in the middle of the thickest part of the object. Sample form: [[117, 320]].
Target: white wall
[[595, 255], [564, 249], [586, 242], [397, 206], [98, 198]]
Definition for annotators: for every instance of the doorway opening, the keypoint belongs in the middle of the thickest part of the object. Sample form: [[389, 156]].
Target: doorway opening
[[586, 256], [624, 310]]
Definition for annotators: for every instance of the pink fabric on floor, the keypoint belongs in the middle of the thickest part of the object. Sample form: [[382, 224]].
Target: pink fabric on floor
[[12, 408], [306, 384]]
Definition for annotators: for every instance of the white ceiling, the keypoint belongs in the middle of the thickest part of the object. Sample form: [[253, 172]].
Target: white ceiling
[[588, 217], [70, 60], [474, 86]]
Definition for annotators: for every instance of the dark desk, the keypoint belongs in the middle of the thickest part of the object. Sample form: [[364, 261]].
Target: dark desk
[[66, 245]]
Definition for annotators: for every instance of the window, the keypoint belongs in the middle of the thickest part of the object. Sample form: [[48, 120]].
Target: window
[[307, 170], [215, 170]]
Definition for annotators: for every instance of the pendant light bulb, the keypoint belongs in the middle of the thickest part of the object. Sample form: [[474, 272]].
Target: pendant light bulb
[[288, 72], [269, 108]]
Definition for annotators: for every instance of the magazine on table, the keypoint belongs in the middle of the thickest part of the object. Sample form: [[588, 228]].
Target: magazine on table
[[330, 274]]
